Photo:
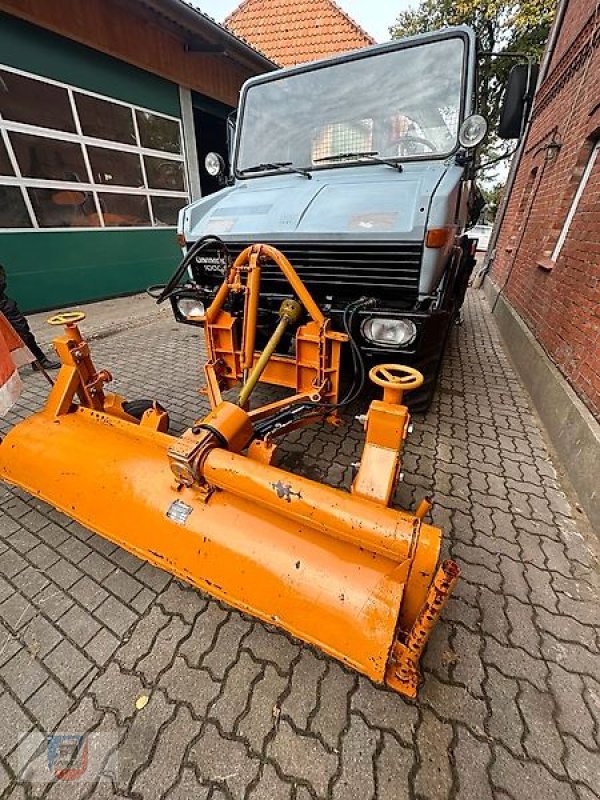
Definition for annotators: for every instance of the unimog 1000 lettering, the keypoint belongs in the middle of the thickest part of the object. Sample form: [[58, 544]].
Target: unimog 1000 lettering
[[360, 169]]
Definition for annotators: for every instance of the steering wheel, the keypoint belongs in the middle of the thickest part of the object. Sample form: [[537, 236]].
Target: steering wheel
[[416, 140], [67, 318], [396, 376]]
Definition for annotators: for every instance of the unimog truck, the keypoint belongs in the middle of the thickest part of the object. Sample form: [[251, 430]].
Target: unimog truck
[[361, 170]]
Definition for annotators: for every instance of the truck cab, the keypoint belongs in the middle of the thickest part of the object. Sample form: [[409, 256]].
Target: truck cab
[[360, 169]]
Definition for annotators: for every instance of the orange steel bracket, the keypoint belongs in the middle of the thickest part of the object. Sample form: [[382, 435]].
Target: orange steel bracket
[[315, 368], [386, 428], [79, 378]]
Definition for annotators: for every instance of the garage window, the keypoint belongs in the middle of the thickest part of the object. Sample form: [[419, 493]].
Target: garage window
[[74, 159]]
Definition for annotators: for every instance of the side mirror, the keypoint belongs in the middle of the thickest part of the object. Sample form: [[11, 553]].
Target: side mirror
[[517, 101]]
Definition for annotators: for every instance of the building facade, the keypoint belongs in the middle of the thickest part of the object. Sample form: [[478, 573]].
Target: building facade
[[292, 32], [106, 111], [545, 266]]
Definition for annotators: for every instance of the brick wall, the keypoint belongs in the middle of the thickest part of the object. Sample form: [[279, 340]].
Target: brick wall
[[558, 295]]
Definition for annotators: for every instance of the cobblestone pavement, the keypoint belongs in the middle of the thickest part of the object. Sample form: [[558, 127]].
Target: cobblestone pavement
[[510, 707]]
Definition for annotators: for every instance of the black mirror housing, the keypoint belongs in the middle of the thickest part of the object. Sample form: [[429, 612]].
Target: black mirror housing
[[517, 101]]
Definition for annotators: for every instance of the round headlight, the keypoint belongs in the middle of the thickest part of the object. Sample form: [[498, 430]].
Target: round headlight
[[472, 131], [387, 331], [190, 308], [214, 164]]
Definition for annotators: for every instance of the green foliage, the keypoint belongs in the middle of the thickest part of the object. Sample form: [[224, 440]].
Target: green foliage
[[500, 26], [492, 197]]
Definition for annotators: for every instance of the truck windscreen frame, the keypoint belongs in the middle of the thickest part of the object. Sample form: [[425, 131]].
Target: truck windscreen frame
[[404, 101]]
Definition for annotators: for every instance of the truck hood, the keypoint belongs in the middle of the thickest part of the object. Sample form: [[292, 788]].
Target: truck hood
[[372, 202]]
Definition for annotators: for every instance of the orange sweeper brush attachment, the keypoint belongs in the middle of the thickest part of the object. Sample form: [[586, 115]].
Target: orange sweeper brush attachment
[[341, 570]]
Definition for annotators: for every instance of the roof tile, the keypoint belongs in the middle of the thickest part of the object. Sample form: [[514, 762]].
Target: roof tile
[[293, 31]]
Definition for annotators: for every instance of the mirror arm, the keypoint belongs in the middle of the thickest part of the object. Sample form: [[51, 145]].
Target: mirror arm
[[496, 160]]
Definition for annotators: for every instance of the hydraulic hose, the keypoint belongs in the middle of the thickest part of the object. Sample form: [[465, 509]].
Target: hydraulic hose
[[168, 289]]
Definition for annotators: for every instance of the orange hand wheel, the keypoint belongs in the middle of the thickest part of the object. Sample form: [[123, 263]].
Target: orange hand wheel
[[395, 379]]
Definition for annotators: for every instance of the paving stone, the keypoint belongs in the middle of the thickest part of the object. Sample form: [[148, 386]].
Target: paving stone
[[12, 563], [78, 625], [101, 647], [122, 585], [504, 723], [188, 787], [117, 691], [115, 615], [303, 757], [194, 686], [9, 645], [163, 770], [543, 741], [434, 776], [582, 765], [186, 601], [15, 722], [40, 636], [526, 779], [471, 764], [357, 753], [68, 664], [270, 786], [136, 747], [237, 689], [74, 549], [223, 762], [21, 540], [453, 703], [267, 645], [332, 713], [16, 611], [96, 566], [142, 638], [154, 578], [302, 698], [386, 710], [204, 632], [513, 661], [64, 574], [572, 713], [88, 593], [142, 600], [23, 674], [264, 712], [49, 705], [163, 650], [227, 645], [393, 767]]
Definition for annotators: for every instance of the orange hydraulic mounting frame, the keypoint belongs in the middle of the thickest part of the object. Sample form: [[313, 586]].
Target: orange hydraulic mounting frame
[[314, 370]]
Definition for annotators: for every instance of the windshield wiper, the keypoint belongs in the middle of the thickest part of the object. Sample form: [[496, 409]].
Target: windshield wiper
[[278, 165], [371, 155]]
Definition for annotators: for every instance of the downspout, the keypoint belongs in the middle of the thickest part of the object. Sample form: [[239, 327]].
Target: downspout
[[514, 167]]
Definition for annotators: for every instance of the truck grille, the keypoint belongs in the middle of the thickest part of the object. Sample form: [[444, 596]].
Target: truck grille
[[347, 270]]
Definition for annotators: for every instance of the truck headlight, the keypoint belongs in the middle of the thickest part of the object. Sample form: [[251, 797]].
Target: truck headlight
[[388, 331], [190, 308]]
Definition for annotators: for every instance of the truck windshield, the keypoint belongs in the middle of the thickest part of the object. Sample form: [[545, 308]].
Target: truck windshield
[[400, 104]]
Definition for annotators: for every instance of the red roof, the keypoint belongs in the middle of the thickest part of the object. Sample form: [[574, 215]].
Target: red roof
[[293, 31]]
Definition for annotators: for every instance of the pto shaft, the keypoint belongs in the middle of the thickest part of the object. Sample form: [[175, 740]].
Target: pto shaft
[[289, 312]]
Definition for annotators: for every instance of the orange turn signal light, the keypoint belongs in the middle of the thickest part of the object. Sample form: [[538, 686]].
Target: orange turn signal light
[[181, 240], [437, 237]]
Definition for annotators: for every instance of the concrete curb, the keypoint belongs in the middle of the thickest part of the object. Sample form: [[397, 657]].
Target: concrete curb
[[570, 426]]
